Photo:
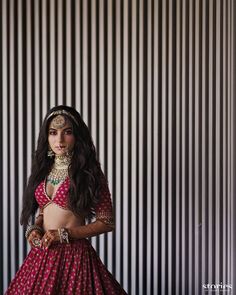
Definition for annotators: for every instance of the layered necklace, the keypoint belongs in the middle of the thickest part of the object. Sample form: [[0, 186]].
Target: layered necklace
[[59, 170]]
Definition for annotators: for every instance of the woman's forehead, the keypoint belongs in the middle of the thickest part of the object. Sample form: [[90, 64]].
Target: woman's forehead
[[60, 122]]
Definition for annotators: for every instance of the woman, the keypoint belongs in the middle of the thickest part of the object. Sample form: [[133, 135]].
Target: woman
[[67, 187]]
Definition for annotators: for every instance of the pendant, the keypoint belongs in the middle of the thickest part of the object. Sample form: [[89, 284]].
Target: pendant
[[54, 181]]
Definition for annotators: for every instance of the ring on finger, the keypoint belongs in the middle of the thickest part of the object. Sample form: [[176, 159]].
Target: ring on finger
[[36, 242]]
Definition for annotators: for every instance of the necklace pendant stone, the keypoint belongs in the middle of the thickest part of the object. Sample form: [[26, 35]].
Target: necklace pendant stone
[[54, 181]]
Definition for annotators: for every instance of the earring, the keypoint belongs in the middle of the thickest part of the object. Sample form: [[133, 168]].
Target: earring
[[50, 152], [69, 153]]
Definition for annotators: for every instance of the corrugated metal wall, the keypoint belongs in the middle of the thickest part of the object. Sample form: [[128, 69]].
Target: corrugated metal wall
[[153, 81]]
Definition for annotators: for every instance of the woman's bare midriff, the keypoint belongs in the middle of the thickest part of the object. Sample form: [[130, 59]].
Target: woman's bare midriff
[[55, 217]]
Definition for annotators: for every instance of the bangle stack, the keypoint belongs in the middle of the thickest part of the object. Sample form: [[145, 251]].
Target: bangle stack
[[30, 228], [63, 234]]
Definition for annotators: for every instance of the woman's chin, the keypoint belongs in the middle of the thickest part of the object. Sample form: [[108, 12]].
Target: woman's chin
[[60, 153]]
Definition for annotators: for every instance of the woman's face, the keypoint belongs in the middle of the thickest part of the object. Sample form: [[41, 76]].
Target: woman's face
[[60, 135]]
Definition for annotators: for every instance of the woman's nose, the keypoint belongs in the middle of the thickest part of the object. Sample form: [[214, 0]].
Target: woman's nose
[[60, 137]]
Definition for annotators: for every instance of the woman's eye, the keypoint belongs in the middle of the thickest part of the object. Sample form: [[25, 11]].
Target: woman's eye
[[68, 132], [52, 133]]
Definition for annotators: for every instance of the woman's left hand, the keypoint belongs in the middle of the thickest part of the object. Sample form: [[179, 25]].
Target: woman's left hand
[[49, 238]]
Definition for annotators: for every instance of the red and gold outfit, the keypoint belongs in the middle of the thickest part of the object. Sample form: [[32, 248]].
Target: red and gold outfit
[[73, 268]]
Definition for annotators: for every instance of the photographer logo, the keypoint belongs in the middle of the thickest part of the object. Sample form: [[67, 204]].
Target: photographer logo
[[220, 287]]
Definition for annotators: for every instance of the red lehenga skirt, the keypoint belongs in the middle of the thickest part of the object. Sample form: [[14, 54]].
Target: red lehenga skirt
[[73, 268]]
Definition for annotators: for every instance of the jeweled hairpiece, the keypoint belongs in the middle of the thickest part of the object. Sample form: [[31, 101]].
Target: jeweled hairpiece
[[63, 112], [59, 121]]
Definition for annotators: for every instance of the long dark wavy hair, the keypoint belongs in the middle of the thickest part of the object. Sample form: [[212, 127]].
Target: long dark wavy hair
[[85, 170]]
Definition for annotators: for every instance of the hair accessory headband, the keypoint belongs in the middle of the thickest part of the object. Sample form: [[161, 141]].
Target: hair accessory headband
[[63, 112]]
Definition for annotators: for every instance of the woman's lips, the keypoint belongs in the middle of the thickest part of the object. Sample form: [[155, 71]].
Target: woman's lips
[[60, 147]]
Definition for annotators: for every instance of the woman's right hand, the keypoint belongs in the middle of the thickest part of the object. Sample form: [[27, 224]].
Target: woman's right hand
[[34, 238]]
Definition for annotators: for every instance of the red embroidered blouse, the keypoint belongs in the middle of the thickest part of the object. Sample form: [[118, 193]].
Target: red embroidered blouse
[[103, 209]]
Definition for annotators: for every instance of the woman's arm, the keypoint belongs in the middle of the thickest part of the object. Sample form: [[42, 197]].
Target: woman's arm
[[39, 221], [80, 232], [104, 215], [35, 234], [89, 230]]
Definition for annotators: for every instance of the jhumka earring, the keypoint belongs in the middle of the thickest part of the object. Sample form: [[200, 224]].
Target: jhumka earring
[[50, 152], [69, 153]]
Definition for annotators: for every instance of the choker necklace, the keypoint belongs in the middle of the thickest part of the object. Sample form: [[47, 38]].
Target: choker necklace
[[59, 171]]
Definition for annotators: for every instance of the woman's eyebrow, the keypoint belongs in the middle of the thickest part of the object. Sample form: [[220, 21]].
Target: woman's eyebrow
[[59, 129], [67, 128]]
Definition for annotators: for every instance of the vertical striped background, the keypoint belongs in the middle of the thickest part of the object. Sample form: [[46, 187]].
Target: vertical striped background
[[153, 81]]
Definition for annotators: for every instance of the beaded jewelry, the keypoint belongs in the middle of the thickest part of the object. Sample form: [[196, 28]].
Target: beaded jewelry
[[64, 236], [36, 242], [59, 171], [50, 153], [63, 112], [30, 228]]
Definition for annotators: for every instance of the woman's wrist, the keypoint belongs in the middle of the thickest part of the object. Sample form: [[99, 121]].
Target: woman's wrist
[[31, 228], [63, 235], [40, 215], [39, 219]]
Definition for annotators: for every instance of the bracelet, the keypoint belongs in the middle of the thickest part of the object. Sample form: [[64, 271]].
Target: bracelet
[[30, 228], [63, 234]]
